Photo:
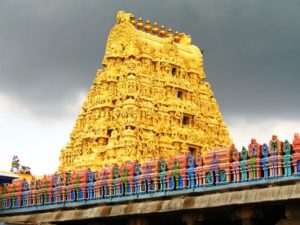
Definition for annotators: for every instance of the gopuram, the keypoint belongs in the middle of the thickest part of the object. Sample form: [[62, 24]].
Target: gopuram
[[150, 147], [150, 100]]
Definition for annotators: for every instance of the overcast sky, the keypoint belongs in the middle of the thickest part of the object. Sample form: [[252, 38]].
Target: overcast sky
[[50, 51]]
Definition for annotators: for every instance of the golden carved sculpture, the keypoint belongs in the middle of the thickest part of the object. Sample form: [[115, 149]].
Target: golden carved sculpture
[[150, 100]]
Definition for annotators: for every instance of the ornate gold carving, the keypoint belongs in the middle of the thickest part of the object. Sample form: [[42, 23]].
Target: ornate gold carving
[[149, 101]]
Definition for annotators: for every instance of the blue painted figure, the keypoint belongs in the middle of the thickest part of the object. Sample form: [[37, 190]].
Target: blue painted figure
[[147, 185], [264, 160], [24, 191], [103, 184], [190, 171], [90, 185], [137, 173]]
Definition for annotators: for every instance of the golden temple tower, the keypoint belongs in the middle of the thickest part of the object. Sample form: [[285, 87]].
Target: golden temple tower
[[149, 100]]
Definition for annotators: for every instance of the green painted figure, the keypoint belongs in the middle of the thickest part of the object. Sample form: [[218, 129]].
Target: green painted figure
[[243, 164], [116, 180], [162, 174], [287, 165], [175, 173], [124, 180]]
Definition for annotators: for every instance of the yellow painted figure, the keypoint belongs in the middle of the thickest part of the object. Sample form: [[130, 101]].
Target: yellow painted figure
[[150, 100]]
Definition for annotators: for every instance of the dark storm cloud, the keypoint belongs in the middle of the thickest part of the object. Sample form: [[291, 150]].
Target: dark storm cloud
[[50, 50]]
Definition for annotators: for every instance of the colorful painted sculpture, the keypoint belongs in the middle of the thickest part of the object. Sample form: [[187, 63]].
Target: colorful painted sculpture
[[265, 160], [179, 173], [162, 165], [60, 183], [190, 161], [217, 167], [287, 164], [25, 188], [31, 193], [47, 189], [244, 164], [102, 183], [296, 155], [199, 176], [235, 165], [116, 181], [182, 169], [127, 177], [213, 176], [254, 159], [90, 185], [275, 151], [137, 174], [173, 174], [148, 177], [17, 167]]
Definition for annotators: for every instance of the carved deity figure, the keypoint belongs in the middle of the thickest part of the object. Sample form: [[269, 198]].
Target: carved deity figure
[[198, 171], [296, 155], [296, 142], [213, 175], [254, 164], [287, 165], [265, 161], [243, 164], [190, 170], [274, 159], [235, 165], [162, 174]]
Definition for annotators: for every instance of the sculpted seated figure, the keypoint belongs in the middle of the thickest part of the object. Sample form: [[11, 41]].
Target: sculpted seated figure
[[274, 145], [254, 162], [274, 150], [287, 165], [235, 164], [296, 142]]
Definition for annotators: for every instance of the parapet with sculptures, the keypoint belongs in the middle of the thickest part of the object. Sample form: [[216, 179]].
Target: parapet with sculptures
[[179, 172]]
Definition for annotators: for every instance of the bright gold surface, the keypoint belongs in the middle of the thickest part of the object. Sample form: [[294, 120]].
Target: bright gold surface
[[149, 101]]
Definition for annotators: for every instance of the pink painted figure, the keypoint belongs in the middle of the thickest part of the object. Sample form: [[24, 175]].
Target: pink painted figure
[[199, 171], [235, 165], [275, 158], [254, 162]]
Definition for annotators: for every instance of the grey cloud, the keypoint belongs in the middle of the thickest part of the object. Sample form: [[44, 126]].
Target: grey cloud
[[51, 50]]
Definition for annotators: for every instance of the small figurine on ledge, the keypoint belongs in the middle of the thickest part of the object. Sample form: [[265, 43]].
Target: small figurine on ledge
[[17, 167]]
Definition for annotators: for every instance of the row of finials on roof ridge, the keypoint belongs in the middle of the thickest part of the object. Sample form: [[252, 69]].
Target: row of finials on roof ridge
[[224, 166], [155, 30]]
